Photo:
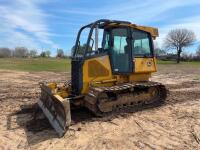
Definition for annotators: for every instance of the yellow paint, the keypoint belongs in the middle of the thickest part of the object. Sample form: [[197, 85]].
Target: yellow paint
[[52, 85], [145, 65], [97, 71], [61, 91], [142, 72], [143, 69], [103, 61], [153, 31], [140, 77]]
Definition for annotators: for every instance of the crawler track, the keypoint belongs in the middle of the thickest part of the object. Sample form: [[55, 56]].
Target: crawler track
[[123, 97]]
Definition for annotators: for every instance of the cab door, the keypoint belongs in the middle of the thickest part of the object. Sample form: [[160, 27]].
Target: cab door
[[120, 54]]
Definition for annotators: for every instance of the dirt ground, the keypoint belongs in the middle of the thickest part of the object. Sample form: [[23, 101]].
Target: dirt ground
[[174, 125]]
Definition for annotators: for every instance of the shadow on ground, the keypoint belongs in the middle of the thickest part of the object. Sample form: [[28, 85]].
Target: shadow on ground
[[35, 124]]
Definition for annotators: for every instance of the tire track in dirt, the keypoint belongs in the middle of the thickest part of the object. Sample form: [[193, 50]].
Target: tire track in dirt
[[175, 125]]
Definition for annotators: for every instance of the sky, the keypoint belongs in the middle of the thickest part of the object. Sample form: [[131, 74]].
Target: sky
[[52, 24]]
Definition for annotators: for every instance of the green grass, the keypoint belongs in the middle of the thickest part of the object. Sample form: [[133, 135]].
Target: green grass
[[58, 65], [35, 64]]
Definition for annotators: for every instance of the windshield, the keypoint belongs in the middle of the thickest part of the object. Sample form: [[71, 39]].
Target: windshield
[[141, 43], [95, 43]]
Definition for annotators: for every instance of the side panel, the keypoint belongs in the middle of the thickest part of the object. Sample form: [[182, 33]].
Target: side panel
[[145, 65], [143, 69], [96, 69], [99, 69]]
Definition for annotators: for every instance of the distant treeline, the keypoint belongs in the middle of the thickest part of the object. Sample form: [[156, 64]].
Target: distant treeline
[[23, 52], [184, 57]]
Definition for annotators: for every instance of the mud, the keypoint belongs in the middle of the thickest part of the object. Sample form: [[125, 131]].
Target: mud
[[174, 125]]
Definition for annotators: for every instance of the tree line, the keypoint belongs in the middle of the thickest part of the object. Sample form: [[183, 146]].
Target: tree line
[[23, 52], [178, 40]]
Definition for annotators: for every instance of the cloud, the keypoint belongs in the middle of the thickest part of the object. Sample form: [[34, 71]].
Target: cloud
[[151, 10], [191, 23], [23, 24], [147, 12], [32, 23], [133, 10]]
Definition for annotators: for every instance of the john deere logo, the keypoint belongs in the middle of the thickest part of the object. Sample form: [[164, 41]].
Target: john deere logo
[[149, 63]]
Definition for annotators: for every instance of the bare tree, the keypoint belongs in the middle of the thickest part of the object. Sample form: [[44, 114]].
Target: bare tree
[[60, 53], [5, 52], [21, 52], [178, 39], [48, 53], [42, 54], [33, 53]]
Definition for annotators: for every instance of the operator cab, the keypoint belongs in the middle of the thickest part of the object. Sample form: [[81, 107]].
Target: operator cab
[[117, 39]]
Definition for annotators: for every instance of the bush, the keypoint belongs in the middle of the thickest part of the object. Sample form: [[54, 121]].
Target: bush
[[5, 52], [21, 52]]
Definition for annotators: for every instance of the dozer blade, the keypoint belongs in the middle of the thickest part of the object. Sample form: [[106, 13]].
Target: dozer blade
[[56, 109]]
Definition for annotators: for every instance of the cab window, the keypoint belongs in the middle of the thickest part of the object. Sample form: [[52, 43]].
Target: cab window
[[141, 44], [92, 51], [82, 43], [106, 40], [120, 51]]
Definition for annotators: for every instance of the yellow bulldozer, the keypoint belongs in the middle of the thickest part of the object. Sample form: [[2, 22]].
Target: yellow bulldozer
[[111, 65]]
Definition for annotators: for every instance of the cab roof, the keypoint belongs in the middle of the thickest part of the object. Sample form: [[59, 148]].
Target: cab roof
[[105, 23]]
